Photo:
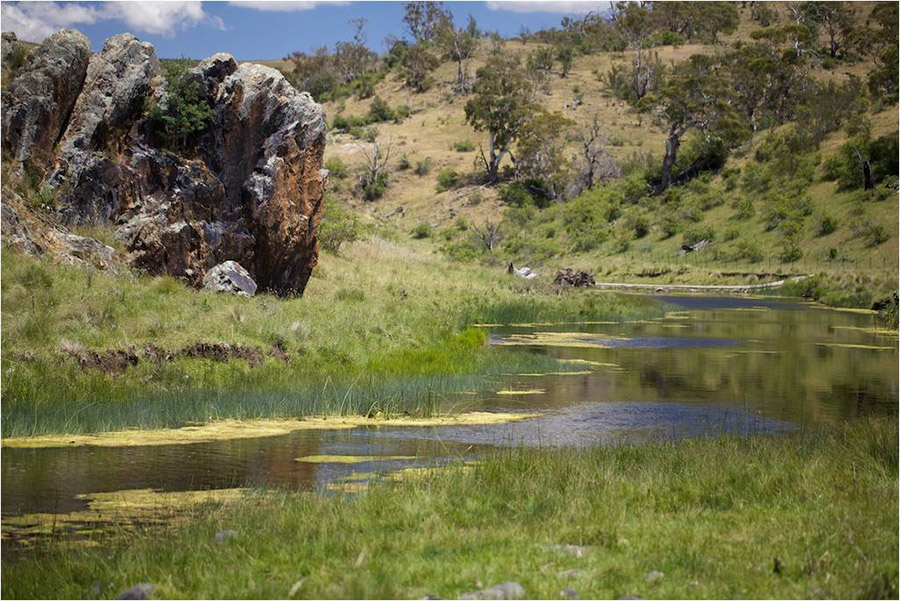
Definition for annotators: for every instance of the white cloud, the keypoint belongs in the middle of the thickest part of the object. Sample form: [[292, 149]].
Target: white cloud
[[283, 6], [561, 6], [34, 21], [161, 18]]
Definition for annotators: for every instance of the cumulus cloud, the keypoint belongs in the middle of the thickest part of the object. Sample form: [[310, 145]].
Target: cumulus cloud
[[34, 21], [561, 6], [284, 7]]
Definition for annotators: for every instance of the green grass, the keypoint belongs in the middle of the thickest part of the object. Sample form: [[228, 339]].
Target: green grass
[[711, 515], [381, 326]]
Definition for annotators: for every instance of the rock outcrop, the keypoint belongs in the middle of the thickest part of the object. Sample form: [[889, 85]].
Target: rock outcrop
[[249, 189], [40, 99]]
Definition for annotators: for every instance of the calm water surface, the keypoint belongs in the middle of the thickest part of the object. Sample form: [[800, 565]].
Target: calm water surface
[[713, 365]]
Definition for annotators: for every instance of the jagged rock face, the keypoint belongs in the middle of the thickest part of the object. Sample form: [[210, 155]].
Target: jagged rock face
[[273, 139], [36, 109], [8, 44], [92, 184], [249, 190], [118, 79]]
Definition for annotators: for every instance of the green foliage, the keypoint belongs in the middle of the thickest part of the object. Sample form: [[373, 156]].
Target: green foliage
[[875, 234], [423, 167], [184, 111], [846, 169], [790, 251], [421, 231], [417, 64], [501, 105], [464, 146], [528, 192], [447, 179], [336, 168], [697, 233], [827, 225], [373, 189], [338, 226]]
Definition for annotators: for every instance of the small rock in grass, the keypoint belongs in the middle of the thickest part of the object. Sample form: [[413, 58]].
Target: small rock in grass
[[225, 535], [654, 576], [569, 594], [571, 574], [506, 590], [229, 277], [138, 591]]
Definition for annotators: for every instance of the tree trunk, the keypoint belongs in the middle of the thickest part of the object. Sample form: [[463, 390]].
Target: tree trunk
[[867, 175], [672, 144]]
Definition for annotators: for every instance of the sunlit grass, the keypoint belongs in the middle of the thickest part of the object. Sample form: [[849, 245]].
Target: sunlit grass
[[379, 328]]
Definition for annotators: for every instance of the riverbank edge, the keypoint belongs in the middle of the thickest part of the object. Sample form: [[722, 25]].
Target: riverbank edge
[[806, 514]]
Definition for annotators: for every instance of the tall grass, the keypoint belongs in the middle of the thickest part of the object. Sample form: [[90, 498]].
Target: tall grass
[[714, 516]]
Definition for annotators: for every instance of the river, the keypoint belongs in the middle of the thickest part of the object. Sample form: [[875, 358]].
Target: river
[[711, 365]]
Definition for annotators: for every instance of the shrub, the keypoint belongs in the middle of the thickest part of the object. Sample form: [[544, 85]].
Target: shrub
[[641, 226], [339, 226], [336, 168], [669, 225], [403, 163], [697, 233], [373, 190], [790, 251], [746, 250], [447, 179], [185, 112], [380, 111], [827, 225], [423, 167], [423, 230], [464, 146], [875, 234], [529, 192]]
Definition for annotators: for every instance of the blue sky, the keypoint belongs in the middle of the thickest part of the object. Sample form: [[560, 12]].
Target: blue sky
[[260, 30]]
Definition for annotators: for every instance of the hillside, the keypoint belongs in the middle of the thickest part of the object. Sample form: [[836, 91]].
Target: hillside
[[861, 252]]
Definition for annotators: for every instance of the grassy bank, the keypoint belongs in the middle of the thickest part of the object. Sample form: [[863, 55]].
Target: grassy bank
[[714, 516], [383, 327]]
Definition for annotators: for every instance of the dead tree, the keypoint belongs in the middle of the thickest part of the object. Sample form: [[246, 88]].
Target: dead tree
[[489, 235]]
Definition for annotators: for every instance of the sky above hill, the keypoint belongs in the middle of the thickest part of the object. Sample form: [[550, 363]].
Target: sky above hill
[[261, 29]]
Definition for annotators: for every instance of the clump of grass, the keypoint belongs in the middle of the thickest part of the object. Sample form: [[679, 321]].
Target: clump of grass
[[714, 516], [463, 146]]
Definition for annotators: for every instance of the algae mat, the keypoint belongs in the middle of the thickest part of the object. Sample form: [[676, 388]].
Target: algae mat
[[236, 429]]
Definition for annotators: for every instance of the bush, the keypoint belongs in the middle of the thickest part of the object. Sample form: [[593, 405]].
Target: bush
[[641, 226], [464, 146], [669, 225], [423, 167], [380, 111], [336, 168], [403, 163], [421, 231], [748, 251], [827, 225], [447, 179], [529, 192], [185, 112], [790, 251], [339, 226], [697, 233], [875, 234], [373, 190]]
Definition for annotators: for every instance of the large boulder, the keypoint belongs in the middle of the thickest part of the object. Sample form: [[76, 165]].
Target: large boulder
[[253, 194], [40, 99]]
